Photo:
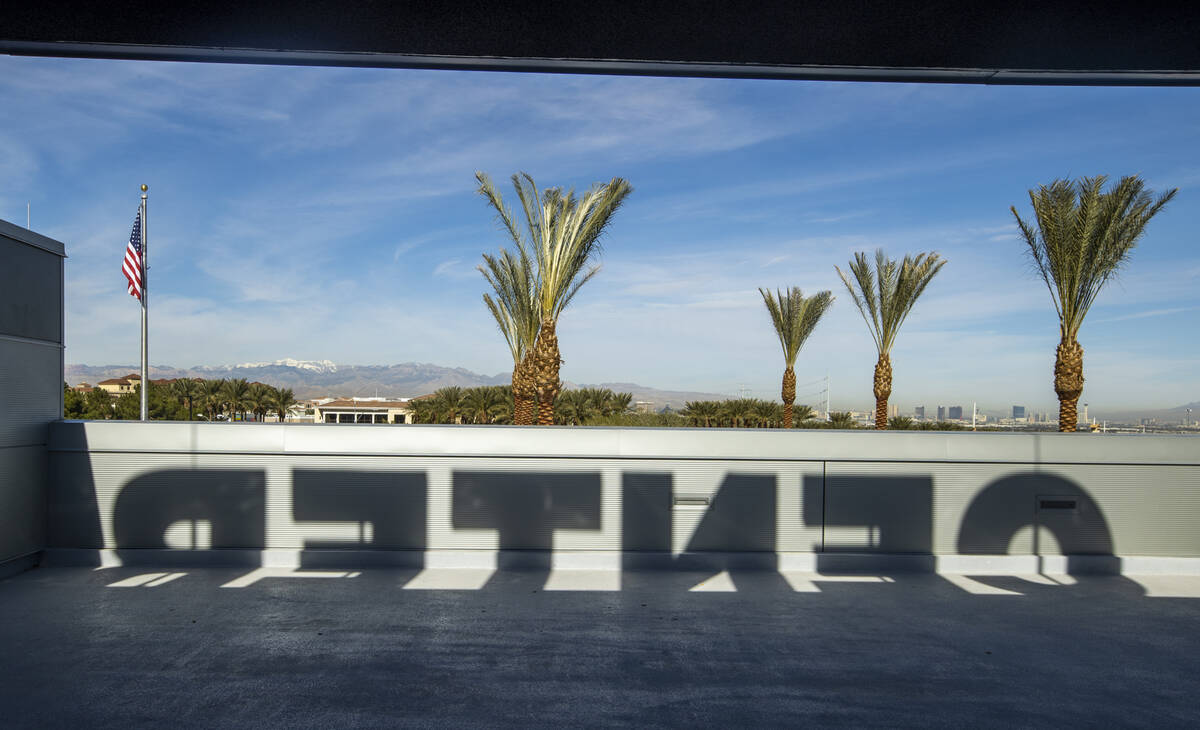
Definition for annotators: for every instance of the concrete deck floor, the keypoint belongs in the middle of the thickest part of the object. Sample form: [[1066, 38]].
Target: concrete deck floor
[[135, 647]]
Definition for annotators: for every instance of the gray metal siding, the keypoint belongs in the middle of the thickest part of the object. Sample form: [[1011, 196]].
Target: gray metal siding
[[31, 377], [130, 485], [32, 290], [321, 502], [30, 392], [1150, 510], [22, 500]]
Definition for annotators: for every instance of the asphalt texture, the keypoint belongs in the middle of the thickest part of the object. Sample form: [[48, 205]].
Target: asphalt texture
[[337, 650]]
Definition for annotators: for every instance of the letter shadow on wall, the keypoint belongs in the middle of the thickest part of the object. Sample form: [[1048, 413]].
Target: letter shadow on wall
[[736, 533], [890, 515], [1059, 505], [72, 511], [203, 508], [525, 508], [389, 507]]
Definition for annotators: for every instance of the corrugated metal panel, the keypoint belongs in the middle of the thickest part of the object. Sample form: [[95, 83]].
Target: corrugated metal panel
[[22, 506], [30, 382], [30, 390], [276, 499], [993, 509], [310, 501], [1148, 510], [73, 518], [922, 508], [31, 282]]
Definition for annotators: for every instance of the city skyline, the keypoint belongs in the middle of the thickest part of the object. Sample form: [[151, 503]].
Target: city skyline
[[323, 213]]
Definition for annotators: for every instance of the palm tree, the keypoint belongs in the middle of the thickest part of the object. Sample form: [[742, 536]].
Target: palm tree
[[841, 419], [425, 409], [884, 297], [794, 317], [596, 402], [900, 423], [574, 408], [235, 392], [564, 233], [1083, 237], [765, 413], [515, 311], [707, 411], [617, 404], [258, 400], [187, 390], [802, 413], [212, 397], [479, 404], [446, 405], [500, 408], [282, 401], [737, 412]]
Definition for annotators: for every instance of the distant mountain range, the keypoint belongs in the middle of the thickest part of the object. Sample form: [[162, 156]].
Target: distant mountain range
[[321, 378], [316, 379]]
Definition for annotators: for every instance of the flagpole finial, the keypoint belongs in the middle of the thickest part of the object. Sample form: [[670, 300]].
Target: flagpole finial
[[144, 188]]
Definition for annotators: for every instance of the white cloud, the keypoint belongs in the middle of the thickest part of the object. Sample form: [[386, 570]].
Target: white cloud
[[1149, 313]]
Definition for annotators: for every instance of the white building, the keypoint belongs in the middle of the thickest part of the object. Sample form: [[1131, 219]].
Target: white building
[[363, 410]]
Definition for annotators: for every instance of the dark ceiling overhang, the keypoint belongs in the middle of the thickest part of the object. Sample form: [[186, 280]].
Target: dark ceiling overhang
[[962, 42]]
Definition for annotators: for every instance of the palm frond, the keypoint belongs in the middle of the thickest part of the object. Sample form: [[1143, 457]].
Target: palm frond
[[514, 306], [1083, 237], [885, 295], [795, 317]]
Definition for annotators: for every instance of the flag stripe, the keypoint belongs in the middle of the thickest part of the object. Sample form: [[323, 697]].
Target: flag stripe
[[132, 265]]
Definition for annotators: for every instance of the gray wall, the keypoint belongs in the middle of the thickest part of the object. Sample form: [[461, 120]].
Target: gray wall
[[31, 377], [130, 486]]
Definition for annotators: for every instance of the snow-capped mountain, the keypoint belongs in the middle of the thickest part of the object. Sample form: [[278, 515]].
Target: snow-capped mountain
[[316, 366]]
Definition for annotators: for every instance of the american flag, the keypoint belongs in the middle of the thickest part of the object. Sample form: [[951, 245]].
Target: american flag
[[132, 266]]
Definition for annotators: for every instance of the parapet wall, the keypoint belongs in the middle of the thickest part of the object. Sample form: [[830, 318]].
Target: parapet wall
[[674, 495]]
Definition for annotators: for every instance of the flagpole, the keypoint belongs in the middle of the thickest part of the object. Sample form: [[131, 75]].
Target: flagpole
[[145, 297]]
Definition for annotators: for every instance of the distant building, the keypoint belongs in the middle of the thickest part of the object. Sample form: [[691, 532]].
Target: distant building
[[84, 388], [893, 410], [120, 386], [363, 410], [941, 413], [1018, 413], [919, 411], [955, 413]]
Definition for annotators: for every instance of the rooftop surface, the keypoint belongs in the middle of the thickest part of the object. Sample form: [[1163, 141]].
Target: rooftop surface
[[217, 647]]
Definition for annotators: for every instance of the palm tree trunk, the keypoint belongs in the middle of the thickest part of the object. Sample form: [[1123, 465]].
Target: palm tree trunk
[[789, 395], [524, 393], [1068, 383], [883, 391], [546, 362]]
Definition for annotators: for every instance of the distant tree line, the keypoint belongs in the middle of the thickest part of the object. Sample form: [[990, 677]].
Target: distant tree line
[[494, 404], [184, 399]]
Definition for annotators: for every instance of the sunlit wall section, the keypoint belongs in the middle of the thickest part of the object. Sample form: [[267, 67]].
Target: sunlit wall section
[[31, 377]]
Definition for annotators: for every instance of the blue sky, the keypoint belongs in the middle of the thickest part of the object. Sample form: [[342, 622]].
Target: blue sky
[[322, 213]]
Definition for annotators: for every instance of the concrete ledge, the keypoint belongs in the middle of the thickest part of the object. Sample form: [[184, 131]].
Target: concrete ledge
[[693, 444], [830, 563], [19, 564]]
